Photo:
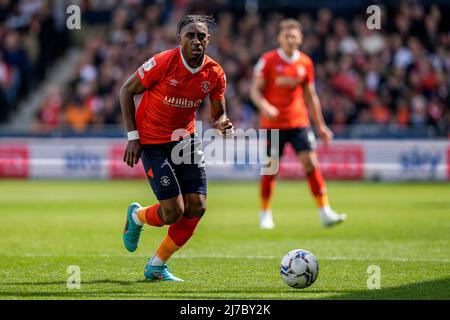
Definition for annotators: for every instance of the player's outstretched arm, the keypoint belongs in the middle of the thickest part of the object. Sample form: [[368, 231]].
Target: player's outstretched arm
[[219, 118], [313, 103], [131, 87]]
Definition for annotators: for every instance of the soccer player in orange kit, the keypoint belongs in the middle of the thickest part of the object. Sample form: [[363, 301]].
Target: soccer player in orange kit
[[283, 80], [173, 84]]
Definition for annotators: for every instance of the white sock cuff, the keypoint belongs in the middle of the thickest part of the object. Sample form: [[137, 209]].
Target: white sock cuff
[[136, 219], [155, 261], [325, 210]]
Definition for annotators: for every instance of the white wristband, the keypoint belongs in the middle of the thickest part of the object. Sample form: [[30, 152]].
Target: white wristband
[[133, 135]]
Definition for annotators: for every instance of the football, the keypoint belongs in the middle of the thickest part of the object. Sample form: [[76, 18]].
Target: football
[[299, 268]]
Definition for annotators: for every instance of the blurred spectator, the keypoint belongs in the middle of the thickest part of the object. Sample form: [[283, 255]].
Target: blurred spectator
[[9, 86], [77, 115], [50, 111], [380, 112], [15, 56]]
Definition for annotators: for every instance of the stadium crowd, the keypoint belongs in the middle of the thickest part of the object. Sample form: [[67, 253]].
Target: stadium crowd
[[32, 36], [398, 75]]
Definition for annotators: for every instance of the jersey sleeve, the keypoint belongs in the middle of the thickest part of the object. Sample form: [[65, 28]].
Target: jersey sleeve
[[309, 72], [261, 68], [152, 70], [218, 93]]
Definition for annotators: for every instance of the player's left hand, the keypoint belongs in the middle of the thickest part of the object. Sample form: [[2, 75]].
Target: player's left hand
[[225, 127], [325, 134]]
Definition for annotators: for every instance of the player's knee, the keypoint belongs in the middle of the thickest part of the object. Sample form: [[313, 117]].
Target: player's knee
[[196, 209], [310, 167], [173, 214]]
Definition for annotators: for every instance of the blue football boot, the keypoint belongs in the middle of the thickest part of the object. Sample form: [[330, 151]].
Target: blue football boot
[[159, 273], [132, 231]]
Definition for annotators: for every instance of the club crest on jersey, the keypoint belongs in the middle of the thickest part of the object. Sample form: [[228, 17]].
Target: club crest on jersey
[[301, 71], [205, 86]]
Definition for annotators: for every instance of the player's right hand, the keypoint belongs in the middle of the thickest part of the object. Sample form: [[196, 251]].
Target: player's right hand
[[270, 111], [325, 134], [132, 153]]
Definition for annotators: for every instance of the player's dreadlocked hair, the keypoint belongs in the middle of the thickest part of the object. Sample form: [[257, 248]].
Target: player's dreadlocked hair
[[208, 20]]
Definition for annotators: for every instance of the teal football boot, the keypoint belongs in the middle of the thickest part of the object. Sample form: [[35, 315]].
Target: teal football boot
[[132, 231], [159, 273]]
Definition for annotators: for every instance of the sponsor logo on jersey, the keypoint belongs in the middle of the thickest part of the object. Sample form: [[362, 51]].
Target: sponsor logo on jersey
[[173, 82], [182, 102], [284, 81]]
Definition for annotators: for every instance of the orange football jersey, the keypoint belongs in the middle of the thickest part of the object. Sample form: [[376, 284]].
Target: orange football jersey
[[284, 79], [175, 91]]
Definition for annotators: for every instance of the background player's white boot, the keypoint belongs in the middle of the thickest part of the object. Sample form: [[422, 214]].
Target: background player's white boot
[[266, 220], [330, 218]]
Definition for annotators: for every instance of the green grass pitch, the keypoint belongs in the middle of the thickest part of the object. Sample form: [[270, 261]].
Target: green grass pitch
[[48, 226]]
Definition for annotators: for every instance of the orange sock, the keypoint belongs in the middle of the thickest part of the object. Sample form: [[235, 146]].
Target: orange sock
[[267, 186], [183, 230], [179, 233], [150, 216], [166, 249], [318, 187], [322, 200]]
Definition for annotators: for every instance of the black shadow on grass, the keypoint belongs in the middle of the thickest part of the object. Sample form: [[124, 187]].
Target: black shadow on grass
[[120, 295], [436, 289]]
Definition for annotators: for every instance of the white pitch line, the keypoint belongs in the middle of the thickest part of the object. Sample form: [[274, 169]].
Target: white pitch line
[[231, 257]]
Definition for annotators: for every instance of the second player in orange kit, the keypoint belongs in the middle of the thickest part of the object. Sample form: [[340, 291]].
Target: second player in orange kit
[[283, 90]]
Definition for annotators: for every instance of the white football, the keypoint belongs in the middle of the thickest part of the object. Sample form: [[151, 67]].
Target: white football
[[299, 268]]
